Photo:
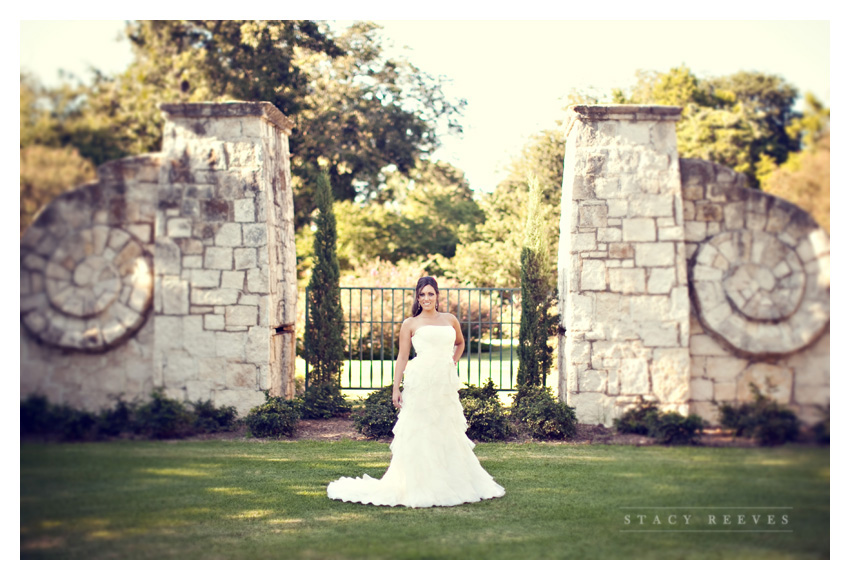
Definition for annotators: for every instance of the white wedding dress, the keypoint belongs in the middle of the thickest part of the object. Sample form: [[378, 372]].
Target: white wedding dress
[[432, 460]]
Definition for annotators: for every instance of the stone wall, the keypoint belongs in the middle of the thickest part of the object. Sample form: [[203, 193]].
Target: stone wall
[[177, 269], [759, 269], [677, 283], [86, 289], [622, 267]]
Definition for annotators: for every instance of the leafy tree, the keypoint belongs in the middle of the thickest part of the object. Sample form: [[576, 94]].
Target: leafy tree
[[431, 208], [535, 355], [324, 343], [489, 254]]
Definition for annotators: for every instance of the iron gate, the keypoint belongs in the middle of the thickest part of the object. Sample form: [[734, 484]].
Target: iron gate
[[489, 318]]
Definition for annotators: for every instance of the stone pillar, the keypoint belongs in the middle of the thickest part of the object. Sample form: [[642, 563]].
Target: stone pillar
[[622, 272], [224, 306]]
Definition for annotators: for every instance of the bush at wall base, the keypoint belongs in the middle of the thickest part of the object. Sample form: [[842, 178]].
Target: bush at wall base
[[159, 418], [377, 417], [763, 418], [668, 428], [485, 416], [277, 417], [544, 417]]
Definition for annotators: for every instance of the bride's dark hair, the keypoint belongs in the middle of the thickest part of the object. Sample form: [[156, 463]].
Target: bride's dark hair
[[424, 281]]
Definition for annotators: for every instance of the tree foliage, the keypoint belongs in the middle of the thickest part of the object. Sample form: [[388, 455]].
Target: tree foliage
[[535, 355], [324, 346], [356, 111]]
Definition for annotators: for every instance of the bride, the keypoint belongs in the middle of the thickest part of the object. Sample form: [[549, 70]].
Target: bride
[[432, 460]]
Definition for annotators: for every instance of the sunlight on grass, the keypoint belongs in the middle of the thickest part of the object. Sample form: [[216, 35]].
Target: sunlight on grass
[[229, 490], [238, 500], [173, 471], [251, 515]]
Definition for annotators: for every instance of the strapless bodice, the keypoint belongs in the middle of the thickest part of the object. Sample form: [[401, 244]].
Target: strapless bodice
[[434, 341]]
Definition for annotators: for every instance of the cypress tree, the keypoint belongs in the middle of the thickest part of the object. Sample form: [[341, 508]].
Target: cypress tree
[[535, 355], [324, 343]]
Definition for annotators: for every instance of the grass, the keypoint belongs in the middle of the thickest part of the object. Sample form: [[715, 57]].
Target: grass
[[266, 499]]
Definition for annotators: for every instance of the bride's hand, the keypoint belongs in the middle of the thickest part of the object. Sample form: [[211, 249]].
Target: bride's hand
[[397, 399]]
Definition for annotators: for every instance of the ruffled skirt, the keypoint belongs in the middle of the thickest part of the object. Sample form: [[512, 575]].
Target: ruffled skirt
[[432, 459]]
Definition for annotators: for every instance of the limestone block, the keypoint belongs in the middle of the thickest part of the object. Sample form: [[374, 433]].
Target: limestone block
[[705, 345], [724, 368], [579, 353], [595, 215], [193, 262], [257, 344], [639, 230], [702, 390], [628, 281], [179, 367], [671, 374], [245, 258], [680, 304], [655, 254], [229, 234], [592, 380], [179, 227], [695, 231], [621, 251], [212, 370], [166, 257], [617, 208], [582, 312], [633, 376], [243, 399], [645, 205], [241, 375], [215, 296], [583, 242], [204, 278], [809, 394], [196, 340], [659, 334], [706, 410], [608, 235], [653, 307], [772, 380], [174, 294], [725, 391], [254, 234], [233, 279], [243, 315], [199, 390], [608, 188], [213, 321], [591, 408], [230, 345], [593, 274], [661, 280], [243, 210], [218, 258]]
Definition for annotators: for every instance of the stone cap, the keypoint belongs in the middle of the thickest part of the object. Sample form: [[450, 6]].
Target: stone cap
[[625, 112], [263, 109]]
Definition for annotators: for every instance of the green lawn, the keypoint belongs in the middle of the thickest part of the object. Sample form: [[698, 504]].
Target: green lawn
[[265, 499]]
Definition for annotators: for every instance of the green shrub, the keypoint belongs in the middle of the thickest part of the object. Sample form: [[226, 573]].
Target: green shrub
[[377, 417], [668, 428], [277, 417], [35, 416], [821, 428], [544, 417], [212, 419], [117, 420], [163, 418], [485, 416], [639, 420], [672, 428], [763, 418], [324, 401]]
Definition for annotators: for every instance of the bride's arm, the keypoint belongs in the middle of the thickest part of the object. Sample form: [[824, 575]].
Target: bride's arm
[[404, 336], [459, 341]]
